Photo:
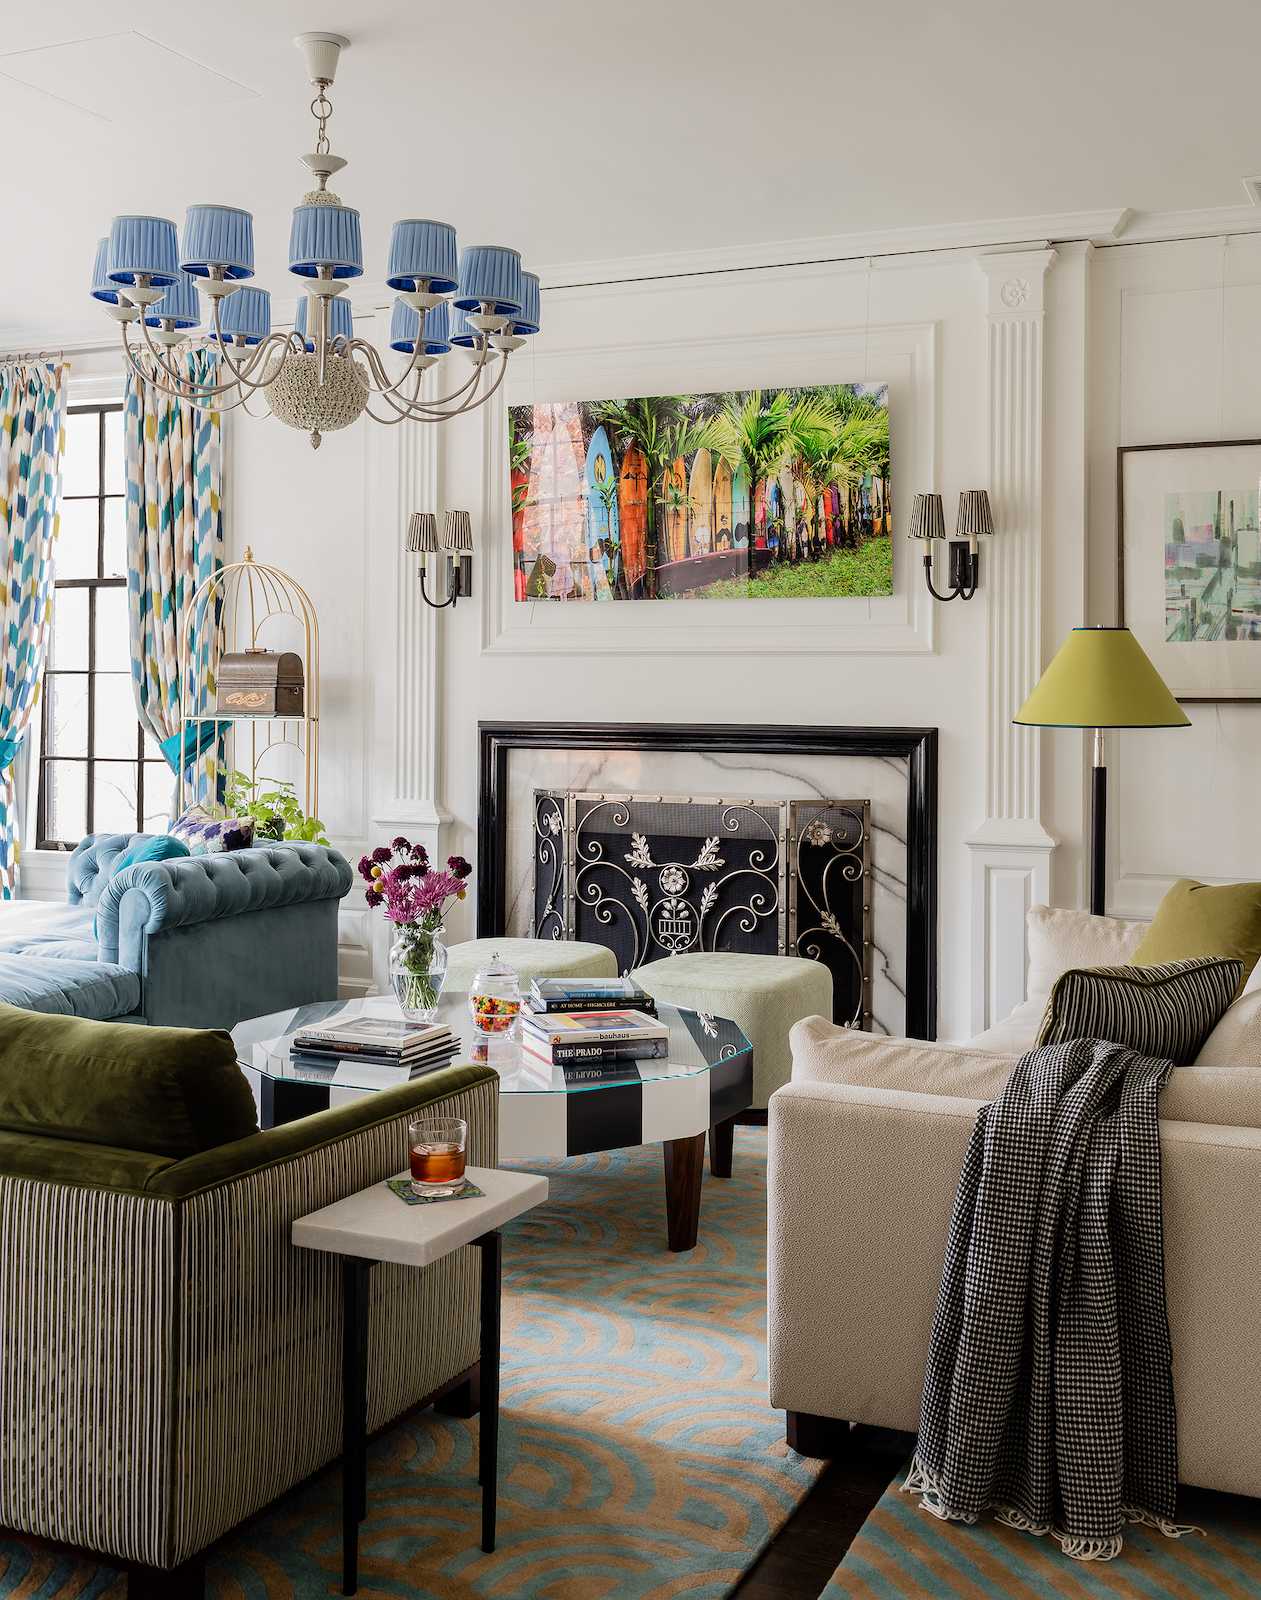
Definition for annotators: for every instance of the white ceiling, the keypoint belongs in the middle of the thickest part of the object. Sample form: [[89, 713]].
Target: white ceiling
[[586, 132]]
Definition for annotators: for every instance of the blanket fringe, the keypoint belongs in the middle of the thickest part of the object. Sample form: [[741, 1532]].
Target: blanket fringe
[[922, 1481]]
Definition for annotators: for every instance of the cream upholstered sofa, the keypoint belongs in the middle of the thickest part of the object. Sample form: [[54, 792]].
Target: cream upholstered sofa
[[866, 1145]]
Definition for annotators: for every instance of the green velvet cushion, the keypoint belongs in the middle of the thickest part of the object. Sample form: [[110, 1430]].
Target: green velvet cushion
[[1201, 919], [161, 1091]]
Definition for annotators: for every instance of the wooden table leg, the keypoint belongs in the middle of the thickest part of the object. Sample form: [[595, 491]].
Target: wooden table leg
[[354, 1413], [684, 1165], [491, 1246], [721, 1141]]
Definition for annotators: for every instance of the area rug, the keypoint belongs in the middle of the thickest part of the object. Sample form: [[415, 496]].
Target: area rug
[[640, 1459], [902, 1552]]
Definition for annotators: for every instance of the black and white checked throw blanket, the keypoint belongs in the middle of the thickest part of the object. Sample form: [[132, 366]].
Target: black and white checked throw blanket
[[1048, 1395]]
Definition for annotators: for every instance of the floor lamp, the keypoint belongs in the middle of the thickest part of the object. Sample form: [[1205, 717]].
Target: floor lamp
[[1100, 678]]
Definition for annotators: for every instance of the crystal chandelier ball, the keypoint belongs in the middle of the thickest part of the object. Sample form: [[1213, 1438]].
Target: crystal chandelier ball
[[299, 399]]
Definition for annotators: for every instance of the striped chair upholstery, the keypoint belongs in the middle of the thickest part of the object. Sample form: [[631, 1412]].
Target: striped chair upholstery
[[171, 1364]]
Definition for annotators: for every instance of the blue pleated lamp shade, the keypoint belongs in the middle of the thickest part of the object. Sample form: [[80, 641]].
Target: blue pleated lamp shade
[[102, 288], [139, 245], [462, 331], [490, 274], [325, 236], [218, 236], [526, 320], [246, 311], [422, 251], [405, 324], [341, 319], [178, 305]]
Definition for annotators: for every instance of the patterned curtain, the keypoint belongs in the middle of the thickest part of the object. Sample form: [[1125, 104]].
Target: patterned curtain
[[174, 543], [31, 442]]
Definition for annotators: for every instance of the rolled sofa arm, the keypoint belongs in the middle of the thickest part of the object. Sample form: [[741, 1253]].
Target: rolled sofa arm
[[153, 896]]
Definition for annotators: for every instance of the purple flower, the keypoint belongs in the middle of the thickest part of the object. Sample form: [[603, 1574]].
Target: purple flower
[[365, 867], [373, 897], [381, 854], [400, 844], [459, 866]]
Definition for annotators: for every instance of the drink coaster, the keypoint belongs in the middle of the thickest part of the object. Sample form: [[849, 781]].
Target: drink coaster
[[402, 1187]]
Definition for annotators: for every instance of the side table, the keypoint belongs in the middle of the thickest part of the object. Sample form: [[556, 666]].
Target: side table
[[375, 1225]]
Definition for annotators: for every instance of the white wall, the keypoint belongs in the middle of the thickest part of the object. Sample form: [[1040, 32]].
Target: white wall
[[1175, 354]]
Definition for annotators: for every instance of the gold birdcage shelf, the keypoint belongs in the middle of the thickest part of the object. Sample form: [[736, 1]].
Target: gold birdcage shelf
[[250, 602]]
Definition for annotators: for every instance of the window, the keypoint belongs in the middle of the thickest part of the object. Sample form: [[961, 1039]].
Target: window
[[98, 772]]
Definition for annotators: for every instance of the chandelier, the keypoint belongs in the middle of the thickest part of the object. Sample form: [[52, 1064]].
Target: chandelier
[[319, 377]]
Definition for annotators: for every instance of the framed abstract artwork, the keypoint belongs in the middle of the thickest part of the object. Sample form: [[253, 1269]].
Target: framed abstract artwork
[[764, 493], [1189, 563]]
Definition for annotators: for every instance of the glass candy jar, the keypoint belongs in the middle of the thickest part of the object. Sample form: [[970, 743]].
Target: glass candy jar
[[494, 1002]]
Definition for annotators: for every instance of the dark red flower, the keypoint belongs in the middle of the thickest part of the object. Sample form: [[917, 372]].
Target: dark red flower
[[373, 897], [419, 853], [381, 854], [365, 867], [401, 845], [459, 866]]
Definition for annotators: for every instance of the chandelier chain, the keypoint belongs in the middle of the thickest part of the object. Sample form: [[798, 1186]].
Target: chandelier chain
[[322, 110]]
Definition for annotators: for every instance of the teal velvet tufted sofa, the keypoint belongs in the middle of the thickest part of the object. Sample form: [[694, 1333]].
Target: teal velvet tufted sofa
[[198, 942]]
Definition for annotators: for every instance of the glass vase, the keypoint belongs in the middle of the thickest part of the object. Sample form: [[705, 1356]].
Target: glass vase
[[418, 970]]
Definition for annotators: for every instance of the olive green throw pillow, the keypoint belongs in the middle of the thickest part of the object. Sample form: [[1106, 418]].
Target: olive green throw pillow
[[164, 1091], [1202, 919]]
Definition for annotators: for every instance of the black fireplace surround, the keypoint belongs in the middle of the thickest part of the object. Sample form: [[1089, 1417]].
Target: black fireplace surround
[[496, 740]]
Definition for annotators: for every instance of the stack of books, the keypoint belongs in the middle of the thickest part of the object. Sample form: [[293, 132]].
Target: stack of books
[[411, 1048], [590, 1029]]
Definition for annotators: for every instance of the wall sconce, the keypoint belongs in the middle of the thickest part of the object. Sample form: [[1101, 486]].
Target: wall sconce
[[974, 521], [457, 541]]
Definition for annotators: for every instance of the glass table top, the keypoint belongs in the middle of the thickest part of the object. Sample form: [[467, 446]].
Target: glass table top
[[698, 1042]]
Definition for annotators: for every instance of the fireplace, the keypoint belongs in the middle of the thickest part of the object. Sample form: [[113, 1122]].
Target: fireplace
[[631, 802]]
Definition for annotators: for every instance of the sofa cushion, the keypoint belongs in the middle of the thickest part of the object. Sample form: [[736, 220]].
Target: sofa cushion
[[1201, 919], [1166, 1012], [158, 847], [1059, 939], [825, 1053], [68, 984], [1236, 1040], [208, 836], [1225, 1097], [164, 1091], [45, 928]]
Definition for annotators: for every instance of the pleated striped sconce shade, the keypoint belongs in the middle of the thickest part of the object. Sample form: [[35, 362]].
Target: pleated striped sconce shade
[[927, 518], [422, 533], [975, 517], [457, 535]]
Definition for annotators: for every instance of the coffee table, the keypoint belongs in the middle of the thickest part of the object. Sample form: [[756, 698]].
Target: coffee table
[[700, 1088]]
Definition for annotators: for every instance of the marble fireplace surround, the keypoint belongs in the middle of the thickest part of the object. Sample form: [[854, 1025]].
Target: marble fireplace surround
[[894, 768]]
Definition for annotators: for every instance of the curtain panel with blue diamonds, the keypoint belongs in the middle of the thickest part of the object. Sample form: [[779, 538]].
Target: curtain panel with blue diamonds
[[31, 443], [174, 455]]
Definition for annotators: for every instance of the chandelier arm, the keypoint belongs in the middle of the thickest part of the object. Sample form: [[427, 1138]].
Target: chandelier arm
[[422, 413], [401, 413], [378, 370], [243, 373], [185, 388], [436, 407]]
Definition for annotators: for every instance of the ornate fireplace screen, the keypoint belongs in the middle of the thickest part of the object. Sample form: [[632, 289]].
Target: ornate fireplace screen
[[659, 875]]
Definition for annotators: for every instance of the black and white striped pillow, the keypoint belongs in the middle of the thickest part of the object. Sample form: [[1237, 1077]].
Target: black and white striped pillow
[[1166, 1012]]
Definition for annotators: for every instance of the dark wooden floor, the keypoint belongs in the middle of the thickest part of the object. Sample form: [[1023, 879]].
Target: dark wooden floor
[[798, 1563]]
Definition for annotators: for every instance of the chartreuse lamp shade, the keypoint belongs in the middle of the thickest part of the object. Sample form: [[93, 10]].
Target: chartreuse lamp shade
[[405, 325], [422, 252], [140, 247], [490, 274], [340, 319], [1101, 678], [218, 236], [325, 237], [245, 312]]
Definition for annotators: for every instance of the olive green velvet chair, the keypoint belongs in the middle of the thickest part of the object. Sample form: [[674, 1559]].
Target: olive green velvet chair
[[169, 1363]]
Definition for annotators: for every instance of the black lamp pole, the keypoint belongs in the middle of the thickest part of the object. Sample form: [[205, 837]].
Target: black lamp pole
[[1099, 827]]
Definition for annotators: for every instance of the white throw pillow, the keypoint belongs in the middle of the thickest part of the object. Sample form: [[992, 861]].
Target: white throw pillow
[[1236, 1040], [1058, 940]]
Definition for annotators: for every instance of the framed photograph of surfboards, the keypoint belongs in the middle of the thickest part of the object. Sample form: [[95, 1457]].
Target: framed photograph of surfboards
[[1189, 563], [764, 493]]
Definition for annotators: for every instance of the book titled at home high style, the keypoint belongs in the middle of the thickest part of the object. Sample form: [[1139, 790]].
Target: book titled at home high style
[[592, 1027], [545, 993]]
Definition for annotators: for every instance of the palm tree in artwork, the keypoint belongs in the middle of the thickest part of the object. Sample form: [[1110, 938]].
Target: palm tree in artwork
[[758, 432], [664, 427], [862, 443]]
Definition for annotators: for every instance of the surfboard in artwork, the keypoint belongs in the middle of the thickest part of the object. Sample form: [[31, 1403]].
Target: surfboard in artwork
[[600, 488]]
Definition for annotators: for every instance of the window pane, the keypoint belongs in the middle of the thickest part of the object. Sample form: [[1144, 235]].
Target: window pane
[[76, 543], [67, 717], [81, 463], [114, 469], [65, 803], [115, 539], [151, 750], [116, 723], [159, 792], [113, 652], [70, 630], [114, 793]]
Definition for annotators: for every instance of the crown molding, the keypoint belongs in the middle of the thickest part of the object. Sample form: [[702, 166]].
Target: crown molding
[[1158, 227]]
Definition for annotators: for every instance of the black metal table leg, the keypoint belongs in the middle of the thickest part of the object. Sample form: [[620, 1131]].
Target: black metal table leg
[[491, 1246], [355, 1272]]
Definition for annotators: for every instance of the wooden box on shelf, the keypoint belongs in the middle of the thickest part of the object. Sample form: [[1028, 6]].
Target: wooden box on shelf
[[260, 683]]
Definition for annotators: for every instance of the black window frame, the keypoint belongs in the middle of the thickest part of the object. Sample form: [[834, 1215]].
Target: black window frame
[[90, 759]]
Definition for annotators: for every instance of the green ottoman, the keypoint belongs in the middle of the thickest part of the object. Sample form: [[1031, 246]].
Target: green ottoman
[[764, 995], [531, 958]]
